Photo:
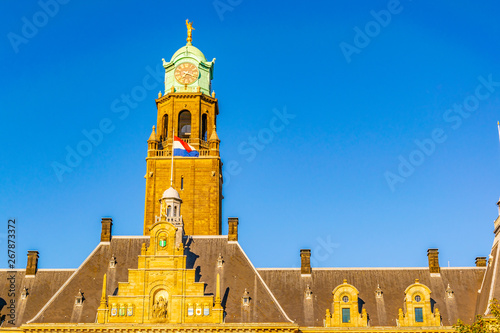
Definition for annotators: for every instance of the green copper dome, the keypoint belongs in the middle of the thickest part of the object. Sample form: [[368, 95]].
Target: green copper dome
[[189, 50]]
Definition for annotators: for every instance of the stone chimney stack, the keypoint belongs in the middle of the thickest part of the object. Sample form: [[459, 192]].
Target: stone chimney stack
[[481, 262], [305, 261], [433, 255], [232, 234], [107, 223], [32, 265]]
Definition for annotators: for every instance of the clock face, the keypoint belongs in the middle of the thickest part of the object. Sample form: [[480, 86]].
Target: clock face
[[186, 73]]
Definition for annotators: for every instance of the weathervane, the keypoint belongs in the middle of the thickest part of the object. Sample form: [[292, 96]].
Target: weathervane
[[190, 28]]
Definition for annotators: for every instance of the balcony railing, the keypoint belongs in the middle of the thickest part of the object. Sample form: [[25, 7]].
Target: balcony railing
[[203, 143], [168, 153], [175, 220]]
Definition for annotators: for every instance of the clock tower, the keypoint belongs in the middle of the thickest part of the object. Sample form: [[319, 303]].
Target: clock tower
[[188, 110]]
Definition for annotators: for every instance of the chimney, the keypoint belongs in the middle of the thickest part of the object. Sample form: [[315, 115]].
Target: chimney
[[481, 262], [433, 255], [107, 223], [232, 234], [305, 261], [32, 265]]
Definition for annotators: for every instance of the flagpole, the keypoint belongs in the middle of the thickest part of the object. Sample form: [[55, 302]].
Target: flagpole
[[172, 165], [498, 124]]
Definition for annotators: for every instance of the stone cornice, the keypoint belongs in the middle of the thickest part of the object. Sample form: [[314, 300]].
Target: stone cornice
[[186, 95], [212, 328], [161, 328]]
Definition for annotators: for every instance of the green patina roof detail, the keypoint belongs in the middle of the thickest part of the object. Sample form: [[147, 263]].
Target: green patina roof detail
[[191, 54], [189, 50]]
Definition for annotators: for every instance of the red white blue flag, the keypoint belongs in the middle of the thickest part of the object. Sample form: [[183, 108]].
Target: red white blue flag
[[182, 148]]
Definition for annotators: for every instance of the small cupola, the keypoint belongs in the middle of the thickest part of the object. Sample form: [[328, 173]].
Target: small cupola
[[170, 209]]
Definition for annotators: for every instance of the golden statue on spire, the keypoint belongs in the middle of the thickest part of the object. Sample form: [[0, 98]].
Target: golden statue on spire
[[190, 28]]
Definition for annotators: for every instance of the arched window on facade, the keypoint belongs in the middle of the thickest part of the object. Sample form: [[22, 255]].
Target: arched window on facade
[[204, 134], [184, 124], [164, 135]]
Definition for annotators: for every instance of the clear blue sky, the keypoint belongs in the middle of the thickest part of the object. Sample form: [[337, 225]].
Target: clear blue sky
[[360, 101]]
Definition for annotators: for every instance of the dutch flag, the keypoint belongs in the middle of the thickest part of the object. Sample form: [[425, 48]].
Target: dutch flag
[[182, 148]]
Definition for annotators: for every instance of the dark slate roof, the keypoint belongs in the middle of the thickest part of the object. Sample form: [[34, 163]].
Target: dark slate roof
[[276, 295], [41, 287], [236, 274], [88, 277], [490, 287], [57, 303], [289, 287]]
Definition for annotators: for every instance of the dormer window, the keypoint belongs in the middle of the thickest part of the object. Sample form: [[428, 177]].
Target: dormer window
[[378, 292], [220, 261], [112, 262], [308, 292], [246, 298], [346, 315], [345, 308], [419, 315], [79, 298], [418, 309], [449, 292]]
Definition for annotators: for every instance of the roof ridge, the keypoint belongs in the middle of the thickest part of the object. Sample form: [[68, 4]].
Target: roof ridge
[[64, 284], [264, 283]]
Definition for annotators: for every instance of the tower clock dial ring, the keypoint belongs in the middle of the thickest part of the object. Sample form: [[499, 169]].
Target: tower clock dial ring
[[186, 73]]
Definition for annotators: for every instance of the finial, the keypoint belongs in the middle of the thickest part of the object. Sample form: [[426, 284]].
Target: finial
[[345, 281], [159, 94], [213, 94], [417, 281], [152, 137], [217, 291], [190, 29], [103, 296]]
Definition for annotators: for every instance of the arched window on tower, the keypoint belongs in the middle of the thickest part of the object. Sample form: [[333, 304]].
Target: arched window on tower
[[184, 124], [204, 127], [175, 211], [169, 210], [164, 135]]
